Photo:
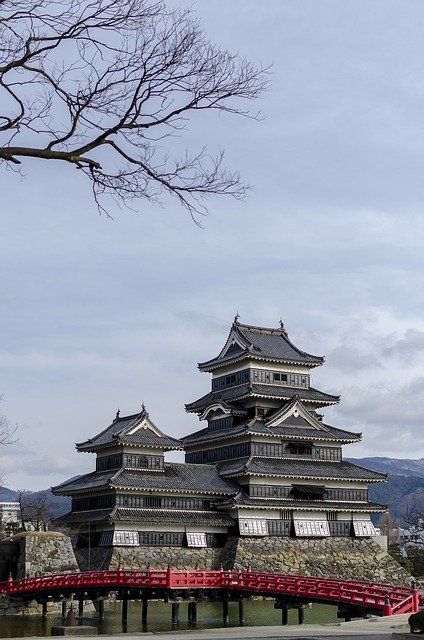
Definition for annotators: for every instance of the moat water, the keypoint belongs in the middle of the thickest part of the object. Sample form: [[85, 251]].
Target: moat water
[[209, 615]]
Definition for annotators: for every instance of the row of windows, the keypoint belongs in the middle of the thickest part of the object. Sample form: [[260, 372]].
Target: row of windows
[[220, 423], [148, 502], [118, 460], [248, 527], [221, 453], [347, 494], [232, 380], [259, 449], [143, 461], [328, 453], [285, 379], [272, 491], [93, 502], [161, 539], [260, 376], [268, 491], [305, 528], [109, 462], [163, 502]]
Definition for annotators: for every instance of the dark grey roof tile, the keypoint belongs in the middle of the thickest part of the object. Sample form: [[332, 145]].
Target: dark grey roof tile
[[273, 344], [136, 430], [183, 477], [302, 469], [264, 391]]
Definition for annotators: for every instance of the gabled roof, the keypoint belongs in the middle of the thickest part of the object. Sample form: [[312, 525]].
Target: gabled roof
[[236, 394], [178, 477], [135, 430], [248, 341], [291, 421], [289, 468]]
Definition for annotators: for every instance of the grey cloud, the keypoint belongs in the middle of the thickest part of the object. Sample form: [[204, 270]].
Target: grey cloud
[[351, 360], [394, 410], [406, 347]]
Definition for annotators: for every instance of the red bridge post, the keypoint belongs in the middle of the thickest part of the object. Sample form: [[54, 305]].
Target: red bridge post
[[387, 607]]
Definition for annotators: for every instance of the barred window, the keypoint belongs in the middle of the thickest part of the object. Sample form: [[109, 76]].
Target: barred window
[[196, 539], [364, 528], [251, 527], [119, 539], [311, 528]]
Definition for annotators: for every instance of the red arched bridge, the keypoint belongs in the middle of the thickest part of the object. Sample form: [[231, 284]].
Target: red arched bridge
[[173, 585]]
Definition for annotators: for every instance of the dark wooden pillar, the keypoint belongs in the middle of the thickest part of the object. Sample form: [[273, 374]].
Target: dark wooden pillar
[[301, 614], [284, 615], [63, 608], [124, 608], [241, 611], [44, 609], [175, 614], [192, 612], [225, 616], [144, 605], [101, 610], [80, 605]]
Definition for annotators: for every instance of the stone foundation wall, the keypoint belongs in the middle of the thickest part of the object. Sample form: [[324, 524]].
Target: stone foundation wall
[[349, 558], [43, 552], [155, 557]]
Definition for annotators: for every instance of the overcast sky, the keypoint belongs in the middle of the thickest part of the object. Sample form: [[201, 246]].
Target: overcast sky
[[99, 314]]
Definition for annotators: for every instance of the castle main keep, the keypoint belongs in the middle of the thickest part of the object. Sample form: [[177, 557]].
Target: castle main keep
[[264, 482]]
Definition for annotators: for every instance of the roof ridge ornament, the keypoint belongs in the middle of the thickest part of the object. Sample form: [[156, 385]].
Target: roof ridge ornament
[[236, 318], [283, 328], [117, 414]]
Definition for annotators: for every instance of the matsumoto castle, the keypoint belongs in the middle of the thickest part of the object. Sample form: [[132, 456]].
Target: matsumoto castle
[[265, 465]]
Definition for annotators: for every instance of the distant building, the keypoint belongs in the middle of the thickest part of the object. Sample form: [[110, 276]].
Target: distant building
[[265, 464], [10, 517]]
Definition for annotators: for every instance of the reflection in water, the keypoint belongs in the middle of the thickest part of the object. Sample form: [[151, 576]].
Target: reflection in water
[[209, 615]]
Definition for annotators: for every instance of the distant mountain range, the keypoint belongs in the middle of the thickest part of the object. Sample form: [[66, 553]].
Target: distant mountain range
[[392, 466], [405, 486]]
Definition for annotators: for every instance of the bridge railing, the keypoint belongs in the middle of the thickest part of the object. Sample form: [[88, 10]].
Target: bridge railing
[[389, 599]]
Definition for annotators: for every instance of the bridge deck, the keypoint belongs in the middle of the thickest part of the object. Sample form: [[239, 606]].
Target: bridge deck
[[385, 599]]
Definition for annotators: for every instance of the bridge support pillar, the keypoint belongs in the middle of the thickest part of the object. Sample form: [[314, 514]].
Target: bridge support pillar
[[63, 608], [124, 611], [80, 605], [225, 616], [284, 615], [192, 612], [241, 611], [144, 605], [101, 608], [175, 614], [301, 614], [44, 609]]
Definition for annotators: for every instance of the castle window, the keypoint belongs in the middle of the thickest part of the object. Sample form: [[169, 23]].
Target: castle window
[[364, 528], [308, 492], [300, 448], [153, 502], [311, 528], [251, 527], [196, 539]]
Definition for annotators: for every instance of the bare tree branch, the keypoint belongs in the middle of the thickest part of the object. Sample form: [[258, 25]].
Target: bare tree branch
[[8, 433], [103, 85], [35, 510]]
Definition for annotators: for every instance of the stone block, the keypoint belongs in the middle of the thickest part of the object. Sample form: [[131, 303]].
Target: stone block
[[83, 630]]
